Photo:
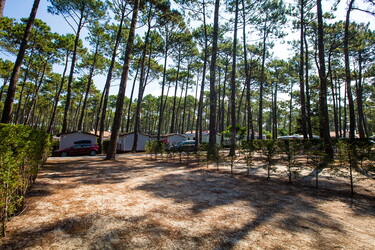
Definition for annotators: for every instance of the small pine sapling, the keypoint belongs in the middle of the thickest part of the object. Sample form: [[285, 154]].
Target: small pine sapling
[[318, 159], [348, 157], [249, 150], [291, 150], [269, 150]]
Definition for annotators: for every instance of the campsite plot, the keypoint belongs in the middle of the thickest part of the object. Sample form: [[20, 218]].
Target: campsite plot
[[136, 202]]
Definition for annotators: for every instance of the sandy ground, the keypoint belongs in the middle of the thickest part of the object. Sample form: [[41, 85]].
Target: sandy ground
[[139, 203]]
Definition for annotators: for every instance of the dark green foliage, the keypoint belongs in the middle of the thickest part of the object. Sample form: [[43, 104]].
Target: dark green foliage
[[214, 156], [316, 156], [22, 153], [269, 148], [249, 148], [291, 149], [154, 147], [348, 156]]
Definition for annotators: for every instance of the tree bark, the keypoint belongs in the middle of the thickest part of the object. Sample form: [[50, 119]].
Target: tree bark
[[142, 82], [2, 5], [274, 117], [71, 74], [131, 100], [250, 127], [347, 74], [198, 130], [161, 111], [26, 74], [361, 123], [308, 103], [35, 97], [7, 111], [111, 155], [324, 119], [262, 80], [108, 81], [301, 71], [89, 82], [172, 129], [213, 95], [232, 151], [57, 97]]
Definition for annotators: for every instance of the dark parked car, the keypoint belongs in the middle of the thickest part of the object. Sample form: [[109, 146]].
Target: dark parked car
[[78, 149], [185, 146]]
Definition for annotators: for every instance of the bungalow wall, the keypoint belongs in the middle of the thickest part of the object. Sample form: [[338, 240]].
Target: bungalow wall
[[67, 140], [176, 138], [125, 142]]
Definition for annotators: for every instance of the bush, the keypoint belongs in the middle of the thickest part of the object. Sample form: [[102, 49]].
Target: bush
[[22, 153], [291, 149], [269, 148], [154, 147]]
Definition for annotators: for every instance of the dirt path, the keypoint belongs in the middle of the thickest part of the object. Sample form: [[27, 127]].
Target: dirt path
[[88, 203]]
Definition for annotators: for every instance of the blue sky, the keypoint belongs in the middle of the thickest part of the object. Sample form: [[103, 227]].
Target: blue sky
[[21, 8]]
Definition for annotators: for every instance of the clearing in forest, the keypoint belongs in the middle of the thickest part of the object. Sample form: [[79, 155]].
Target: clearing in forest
[[137, 202]]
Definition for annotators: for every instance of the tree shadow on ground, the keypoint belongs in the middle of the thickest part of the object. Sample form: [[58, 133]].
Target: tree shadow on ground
[[91, 232], [292, 208], [69, 173], [269, 205]]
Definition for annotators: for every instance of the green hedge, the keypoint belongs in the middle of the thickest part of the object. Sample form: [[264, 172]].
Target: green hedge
[[22, 153]]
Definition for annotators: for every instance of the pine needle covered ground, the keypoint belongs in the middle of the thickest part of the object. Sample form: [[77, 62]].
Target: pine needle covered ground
[[136, 202]]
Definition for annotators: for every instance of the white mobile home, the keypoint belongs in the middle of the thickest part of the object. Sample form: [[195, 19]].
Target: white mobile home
[[174, 138], [125, 142], [68, 139], [205, 136]]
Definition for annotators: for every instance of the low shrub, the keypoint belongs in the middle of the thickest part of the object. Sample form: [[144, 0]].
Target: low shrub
[[22, 153], [155, 147]]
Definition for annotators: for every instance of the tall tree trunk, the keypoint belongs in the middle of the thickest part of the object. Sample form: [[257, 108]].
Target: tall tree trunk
[[274, 116], [213, 95], [290, 109], [26, 75], [161, 111], [2, 5], [142, 86], [222, 112], [250, 127], [89, 82], [262, 81], [308, 103], [58, 93], [345, 120], [176, 121], [339, 108], [232, 151], [347, 74], [128, 119], [239, 105], [195, 103], [35, 97], [324, 119], [172, 130], [111, 155], [335, 117], [108, 81], [301, 70], [142, 83], [70, 79], [185, 99], [361, 121], [7, 111], [198, 130], [3, 87]]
